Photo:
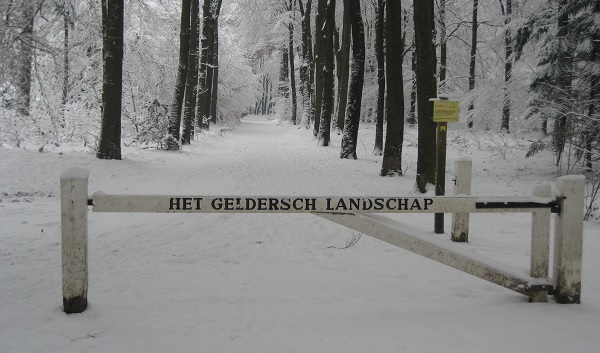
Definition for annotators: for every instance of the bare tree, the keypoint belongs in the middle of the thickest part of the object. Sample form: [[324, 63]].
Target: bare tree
[[412, 113], [564, 80], [291, 57], [184, 49], [508, 51], [392, 156], [191, 79], [343, 66], [443, 43], [472, 60], [327, 92], [65, 8], [109, 146], [319, 53], [25, 56], [283, 87], [215, 79], [305, 65], [379, 53], [592, 139], [426, 89], [206, 71], [355, 89]]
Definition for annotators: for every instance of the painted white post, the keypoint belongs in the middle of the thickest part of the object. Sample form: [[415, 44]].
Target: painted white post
[[568, 240], [540, 242], [73, 214], [463, 168]]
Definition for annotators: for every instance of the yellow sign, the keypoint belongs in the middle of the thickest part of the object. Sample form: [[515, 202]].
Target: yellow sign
[[445, 111]]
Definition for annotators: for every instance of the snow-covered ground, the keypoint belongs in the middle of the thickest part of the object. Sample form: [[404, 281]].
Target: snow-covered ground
[[273, 282]]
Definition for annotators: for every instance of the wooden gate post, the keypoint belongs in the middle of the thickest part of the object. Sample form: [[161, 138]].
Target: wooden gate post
[[74, 230], [463, 169], [540, 242], [568, 239]]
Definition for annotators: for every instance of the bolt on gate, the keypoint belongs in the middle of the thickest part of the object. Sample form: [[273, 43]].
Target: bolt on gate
[[365, 214]]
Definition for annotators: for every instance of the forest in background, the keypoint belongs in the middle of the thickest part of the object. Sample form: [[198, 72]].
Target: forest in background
[[516, 66]]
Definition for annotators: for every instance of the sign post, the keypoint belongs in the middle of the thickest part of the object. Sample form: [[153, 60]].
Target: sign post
[[442, 111], [440, 172]]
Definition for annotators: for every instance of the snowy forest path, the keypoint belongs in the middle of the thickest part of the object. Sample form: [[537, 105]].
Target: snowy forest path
[[263, 150], [275, 158]]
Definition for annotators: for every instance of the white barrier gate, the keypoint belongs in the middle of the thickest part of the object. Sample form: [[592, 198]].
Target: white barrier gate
[[363, 214]]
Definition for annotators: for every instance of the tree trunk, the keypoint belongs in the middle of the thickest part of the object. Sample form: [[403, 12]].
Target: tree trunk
[[443, 46], [508, 50], [379, 53], [109, 146], [25, 61], [191, 80], [215, 80], [204, 67], [426, 89], [206, 86], [267, 96], [357, 75], [594, 90], [343, 70], [305, 67], [66, 76], [319, 52], [412, 115], [324, 135], [184, 48], [564, 77], [392, 156], [283, 86], [474, 25], [292, 70]]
